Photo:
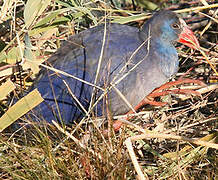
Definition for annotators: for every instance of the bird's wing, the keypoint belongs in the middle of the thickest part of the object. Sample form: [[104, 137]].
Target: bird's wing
[[79, 56]]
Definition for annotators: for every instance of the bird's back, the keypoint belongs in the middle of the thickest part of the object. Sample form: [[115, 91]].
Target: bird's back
[[79, 56], [124, 59]]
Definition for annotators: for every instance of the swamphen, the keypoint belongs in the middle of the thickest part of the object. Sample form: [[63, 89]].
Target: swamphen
[[130, 63]]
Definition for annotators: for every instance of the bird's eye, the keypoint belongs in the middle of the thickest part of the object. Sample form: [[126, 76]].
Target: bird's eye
[[175, 26]]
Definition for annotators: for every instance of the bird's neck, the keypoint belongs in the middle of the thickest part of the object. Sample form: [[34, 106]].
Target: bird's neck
[[163, 46], [162, 52], [167, 56]]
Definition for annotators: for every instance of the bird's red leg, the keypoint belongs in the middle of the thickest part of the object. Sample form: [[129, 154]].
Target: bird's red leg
[[175, 91], [117, 124], [161, 91], [178, 82]]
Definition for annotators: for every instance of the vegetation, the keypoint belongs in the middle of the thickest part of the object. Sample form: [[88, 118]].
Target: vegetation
[[187, 126]]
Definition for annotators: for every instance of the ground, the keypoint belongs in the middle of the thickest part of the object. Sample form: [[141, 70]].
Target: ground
[[187, 124]]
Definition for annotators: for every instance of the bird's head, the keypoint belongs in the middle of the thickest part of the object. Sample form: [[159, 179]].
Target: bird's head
[[167, 27]]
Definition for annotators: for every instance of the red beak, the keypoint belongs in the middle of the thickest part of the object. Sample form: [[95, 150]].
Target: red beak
[[187, 37]]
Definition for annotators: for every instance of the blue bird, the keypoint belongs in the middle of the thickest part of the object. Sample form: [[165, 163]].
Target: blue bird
[[130, 62]]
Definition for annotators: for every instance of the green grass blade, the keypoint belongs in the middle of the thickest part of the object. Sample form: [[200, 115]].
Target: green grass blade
[[24, 105]]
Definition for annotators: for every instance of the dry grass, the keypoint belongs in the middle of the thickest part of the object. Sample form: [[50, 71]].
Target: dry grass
[[51, 152]]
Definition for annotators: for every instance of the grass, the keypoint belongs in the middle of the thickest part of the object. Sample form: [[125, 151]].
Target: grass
[[188, 125]]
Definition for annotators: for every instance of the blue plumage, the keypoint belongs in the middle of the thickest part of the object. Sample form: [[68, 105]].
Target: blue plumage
[[125, 53]]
